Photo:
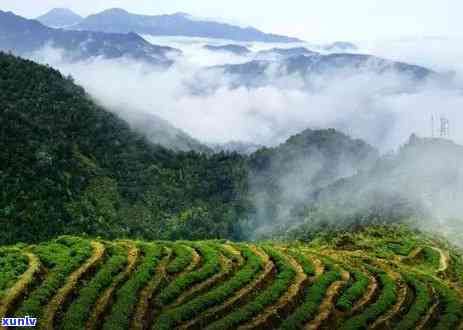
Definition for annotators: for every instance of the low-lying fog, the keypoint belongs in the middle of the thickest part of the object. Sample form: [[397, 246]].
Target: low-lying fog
[[365, 105]]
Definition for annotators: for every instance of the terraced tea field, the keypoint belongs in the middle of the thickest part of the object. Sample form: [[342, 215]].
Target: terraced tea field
[[377, 278]]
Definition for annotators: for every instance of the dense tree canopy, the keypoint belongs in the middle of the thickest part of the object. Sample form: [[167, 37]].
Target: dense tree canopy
[[68, 166]]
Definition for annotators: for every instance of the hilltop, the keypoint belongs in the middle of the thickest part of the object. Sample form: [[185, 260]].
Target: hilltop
[[420, 184], [60, 18], [117, 20], [284, 178]]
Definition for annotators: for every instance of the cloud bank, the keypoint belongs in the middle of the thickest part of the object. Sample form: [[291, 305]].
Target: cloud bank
[[382, 109]]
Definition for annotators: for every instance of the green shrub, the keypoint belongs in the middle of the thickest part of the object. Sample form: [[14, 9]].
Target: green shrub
[[385, 301], [268, 296], [452, 312], [303, 260], [183, 258], [127, 295], [353, 293], [210, 267], [80, 309], [420, 305], [61, 257], [12, 264], [253, 265], [312, 298]]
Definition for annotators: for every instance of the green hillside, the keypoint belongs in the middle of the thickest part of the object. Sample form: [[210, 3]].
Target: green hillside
[[69, 166], [284, 179], [376, 278]]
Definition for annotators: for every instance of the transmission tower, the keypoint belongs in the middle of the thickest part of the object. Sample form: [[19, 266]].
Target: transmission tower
[[432, 126], [444, 127]]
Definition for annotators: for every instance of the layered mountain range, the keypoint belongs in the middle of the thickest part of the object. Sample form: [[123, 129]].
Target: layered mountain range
[[117, 20], [306, 64], [24, 37], [82, 41]]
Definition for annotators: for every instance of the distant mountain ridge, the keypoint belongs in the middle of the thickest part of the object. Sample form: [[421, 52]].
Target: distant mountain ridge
[[242, 148], [179, 24], [283, 53], [340, 46], [233, 49], [22, 36], [60, 17], [255, 73]]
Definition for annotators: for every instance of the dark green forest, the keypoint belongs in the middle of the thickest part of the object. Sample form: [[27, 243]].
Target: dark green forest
[[69, 166]]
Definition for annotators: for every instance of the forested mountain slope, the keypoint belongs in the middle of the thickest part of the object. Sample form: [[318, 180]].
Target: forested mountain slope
[[425, 174], [421, 184], [283, 179], [69, 166]]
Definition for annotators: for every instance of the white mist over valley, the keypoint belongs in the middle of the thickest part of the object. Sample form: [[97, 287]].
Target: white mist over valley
[[383, 109]]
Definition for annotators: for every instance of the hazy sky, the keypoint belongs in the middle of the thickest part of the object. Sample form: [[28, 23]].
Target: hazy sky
[[308, 19]]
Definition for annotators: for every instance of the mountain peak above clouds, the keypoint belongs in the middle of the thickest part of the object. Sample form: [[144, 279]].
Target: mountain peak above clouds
[[230, 48], [60, 17], [181, 14], [111, 11], [284, 53], [255, 73], [117, 20], [341, 46]]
